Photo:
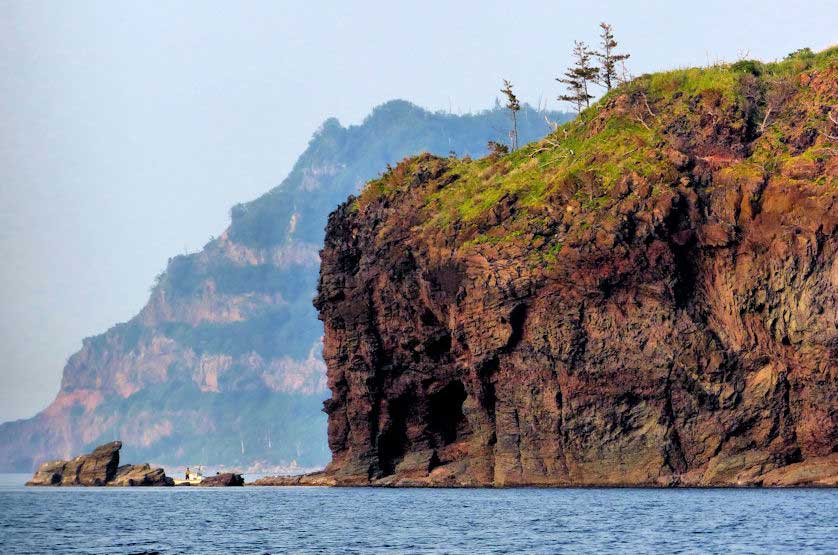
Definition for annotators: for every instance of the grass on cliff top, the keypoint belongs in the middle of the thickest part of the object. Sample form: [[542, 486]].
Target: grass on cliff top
[[623, 134], [726, 78], [568, 159]]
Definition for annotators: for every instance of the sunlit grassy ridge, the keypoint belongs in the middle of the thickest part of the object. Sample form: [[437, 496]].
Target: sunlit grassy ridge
[[748, 121]]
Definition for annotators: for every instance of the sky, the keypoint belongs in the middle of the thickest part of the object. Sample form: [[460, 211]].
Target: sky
[[128, 129]]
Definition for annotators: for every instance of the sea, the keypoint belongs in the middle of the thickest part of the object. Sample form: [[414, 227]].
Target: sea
[[375, 520]]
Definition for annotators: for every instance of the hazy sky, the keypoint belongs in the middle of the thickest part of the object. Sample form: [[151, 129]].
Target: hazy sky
[[128, 129]]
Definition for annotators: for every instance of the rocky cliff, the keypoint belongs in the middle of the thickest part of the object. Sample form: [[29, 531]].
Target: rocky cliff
[[223, 364], [649, 296]]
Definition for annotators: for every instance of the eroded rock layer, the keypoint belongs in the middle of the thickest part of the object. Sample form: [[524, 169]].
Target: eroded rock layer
[[99, 468], [647, 297]]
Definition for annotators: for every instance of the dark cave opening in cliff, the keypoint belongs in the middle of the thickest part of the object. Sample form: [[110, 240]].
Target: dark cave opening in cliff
[[683, 249], [438, 347], [446, 413], [392, 443], [517, 319]]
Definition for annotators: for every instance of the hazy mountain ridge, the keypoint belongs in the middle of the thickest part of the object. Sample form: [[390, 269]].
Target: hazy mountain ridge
[[223, 365]]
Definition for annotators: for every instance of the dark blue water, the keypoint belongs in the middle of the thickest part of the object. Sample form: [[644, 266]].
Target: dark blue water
[[320, 520]]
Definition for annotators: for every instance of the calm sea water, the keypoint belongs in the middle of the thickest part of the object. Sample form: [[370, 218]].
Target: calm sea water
[[322, 520]]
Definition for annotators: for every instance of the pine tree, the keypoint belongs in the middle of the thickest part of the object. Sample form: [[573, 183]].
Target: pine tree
[[578, 77], [513, 106], [607, 57], [575, 91]]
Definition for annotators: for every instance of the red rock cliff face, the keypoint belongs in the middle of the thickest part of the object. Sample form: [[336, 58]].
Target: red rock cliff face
[[675, 326]]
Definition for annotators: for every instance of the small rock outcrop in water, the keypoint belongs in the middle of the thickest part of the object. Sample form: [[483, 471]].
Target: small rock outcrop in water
[[313, 479], [140, 475], [222, 480], [99, 468], [647, 297], [95, 469]]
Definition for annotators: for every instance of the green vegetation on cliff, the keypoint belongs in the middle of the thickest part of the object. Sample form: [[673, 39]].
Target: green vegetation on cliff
[[645, 132]]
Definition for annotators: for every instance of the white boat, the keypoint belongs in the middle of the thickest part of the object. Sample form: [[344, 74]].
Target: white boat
[[194, 476]]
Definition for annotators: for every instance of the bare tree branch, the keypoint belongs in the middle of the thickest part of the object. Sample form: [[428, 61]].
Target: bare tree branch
[[834, 122], [646, 101], [552, 144], [561, 156], [764, 121]]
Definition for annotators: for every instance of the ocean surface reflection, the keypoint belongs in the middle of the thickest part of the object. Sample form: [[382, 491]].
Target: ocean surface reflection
[[362, 520]]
